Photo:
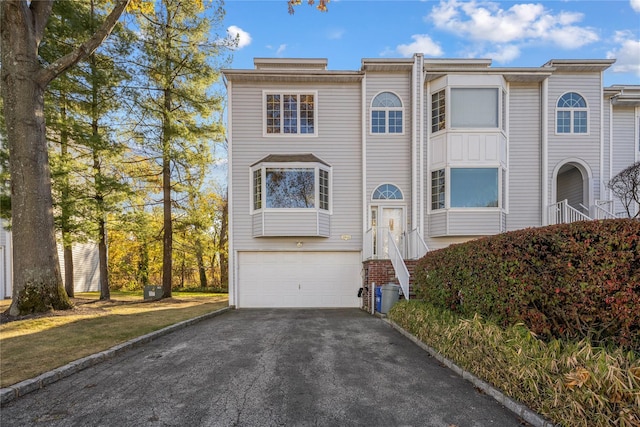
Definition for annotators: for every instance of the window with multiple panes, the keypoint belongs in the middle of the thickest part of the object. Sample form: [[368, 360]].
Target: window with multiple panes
[[257, 189], [288, 187], [571, 114], [437, 189], [387, 192], [438, 111], [290, 113], [386, 113]]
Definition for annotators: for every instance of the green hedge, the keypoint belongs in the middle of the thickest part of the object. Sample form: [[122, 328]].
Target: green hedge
[[579, 280]]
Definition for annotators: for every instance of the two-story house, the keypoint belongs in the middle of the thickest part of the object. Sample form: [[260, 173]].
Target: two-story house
[[338, 179]]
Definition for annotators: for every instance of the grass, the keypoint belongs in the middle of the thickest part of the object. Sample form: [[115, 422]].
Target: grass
[[36, 345]]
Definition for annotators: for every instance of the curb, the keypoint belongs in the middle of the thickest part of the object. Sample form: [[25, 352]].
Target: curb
[[517, 408], [12, 392]]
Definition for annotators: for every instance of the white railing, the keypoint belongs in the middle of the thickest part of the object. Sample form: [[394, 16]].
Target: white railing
[[399, 266], [563, 213], [416, 247], [603, 209], [368, 244]]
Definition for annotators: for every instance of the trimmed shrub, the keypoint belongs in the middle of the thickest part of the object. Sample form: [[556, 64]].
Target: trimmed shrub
[[578, 280], [570, 383]]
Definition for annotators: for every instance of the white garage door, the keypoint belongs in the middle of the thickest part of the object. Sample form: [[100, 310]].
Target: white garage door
[[299, 279]]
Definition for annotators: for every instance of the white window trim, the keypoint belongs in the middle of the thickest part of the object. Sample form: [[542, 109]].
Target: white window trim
[[386, 110], [447, 191], [572, 109], [290, 165], [290, 92], [449, 113], [387, 200]]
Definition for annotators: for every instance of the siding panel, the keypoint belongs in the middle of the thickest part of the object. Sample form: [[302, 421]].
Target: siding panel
[[524, 186]]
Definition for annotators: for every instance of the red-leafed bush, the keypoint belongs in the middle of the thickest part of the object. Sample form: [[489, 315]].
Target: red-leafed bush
[[570, 280]]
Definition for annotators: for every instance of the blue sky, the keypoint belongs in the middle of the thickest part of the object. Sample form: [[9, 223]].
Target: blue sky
[[512, 34]]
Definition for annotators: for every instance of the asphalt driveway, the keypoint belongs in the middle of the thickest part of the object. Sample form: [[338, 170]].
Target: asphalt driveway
[[266, 368]]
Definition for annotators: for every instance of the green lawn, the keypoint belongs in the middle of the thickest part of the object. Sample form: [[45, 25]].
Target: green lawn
[[33, 346]]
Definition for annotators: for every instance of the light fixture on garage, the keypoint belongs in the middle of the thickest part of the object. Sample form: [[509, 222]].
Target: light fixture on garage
[[299, 244]]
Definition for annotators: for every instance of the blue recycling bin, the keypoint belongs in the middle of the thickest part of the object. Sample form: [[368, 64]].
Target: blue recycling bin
[[378, 298]]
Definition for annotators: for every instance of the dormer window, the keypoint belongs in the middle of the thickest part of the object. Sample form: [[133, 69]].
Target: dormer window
[[386, 113]]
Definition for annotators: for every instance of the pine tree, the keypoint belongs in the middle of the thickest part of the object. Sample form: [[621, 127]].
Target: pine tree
[[180, 122]]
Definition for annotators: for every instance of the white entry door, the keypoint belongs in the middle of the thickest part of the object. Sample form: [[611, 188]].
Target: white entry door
[[386, 221]]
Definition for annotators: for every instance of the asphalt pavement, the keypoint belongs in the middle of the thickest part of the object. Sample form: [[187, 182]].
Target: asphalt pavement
[[266, 368]]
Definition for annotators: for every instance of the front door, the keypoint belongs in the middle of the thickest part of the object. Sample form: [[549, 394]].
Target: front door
[[386, 222]]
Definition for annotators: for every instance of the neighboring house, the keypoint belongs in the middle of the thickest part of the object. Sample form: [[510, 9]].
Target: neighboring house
[[341, 179], [6, 278], [86, 274]]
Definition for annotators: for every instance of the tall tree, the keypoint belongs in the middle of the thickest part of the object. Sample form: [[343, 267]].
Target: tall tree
[[178, 57], [37, 282], [68, 20]]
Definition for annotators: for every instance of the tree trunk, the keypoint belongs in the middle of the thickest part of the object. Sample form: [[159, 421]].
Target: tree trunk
[[224, 251], [105, 294], [167, 238], [68, 268], [37, 282], [200, 259], [65, 196]]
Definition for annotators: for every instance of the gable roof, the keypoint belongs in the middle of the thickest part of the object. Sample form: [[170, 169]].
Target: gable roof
[[291, 158]]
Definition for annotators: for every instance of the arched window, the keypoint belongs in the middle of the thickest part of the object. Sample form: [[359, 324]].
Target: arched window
[[386, 113], [571, 114], [387, 192]]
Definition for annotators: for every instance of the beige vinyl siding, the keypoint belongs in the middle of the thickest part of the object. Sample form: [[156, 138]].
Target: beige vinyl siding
[[282, 224], [86, 266], [585, 147], [606, 128], [625, 140], [338, 143], [389, 155], [525, 187]]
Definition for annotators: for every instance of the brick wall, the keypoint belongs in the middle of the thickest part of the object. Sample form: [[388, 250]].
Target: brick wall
[[380, 272]]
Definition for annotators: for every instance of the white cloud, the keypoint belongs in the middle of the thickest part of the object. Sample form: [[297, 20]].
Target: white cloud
[[244, 38], [335, 34], [504, 54], [627, 55], [421, 43], [635, 5], [281, 49], [483, 22]]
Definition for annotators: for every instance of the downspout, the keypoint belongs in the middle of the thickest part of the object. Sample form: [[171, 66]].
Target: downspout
[[545, 150], [414, 143], [421, 148], [601, 187], [232, 256], [365, 216]]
